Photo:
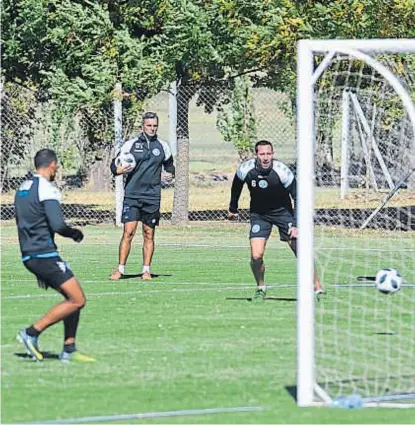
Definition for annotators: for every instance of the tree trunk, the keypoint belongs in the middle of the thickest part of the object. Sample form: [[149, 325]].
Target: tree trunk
[[180, 214], [99, 174]]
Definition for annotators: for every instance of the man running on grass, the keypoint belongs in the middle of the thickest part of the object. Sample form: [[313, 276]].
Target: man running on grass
[[39, 217], [272, 187]]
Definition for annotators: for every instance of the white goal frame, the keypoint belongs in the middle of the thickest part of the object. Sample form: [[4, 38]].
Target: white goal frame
[[307, 387]]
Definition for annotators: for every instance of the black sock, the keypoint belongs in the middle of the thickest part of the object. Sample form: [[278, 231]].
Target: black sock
[[31, 331], [70, 325], [69, 348]]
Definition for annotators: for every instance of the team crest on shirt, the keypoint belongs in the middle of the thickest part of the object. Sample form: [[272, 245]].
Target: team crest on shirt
[[156, 152], [263, 184], [255, 228]]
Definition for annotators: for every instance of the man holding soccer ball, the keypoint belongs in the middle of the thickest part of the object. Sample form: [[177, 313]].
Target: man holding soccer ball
[[142, 190], [272, 187]]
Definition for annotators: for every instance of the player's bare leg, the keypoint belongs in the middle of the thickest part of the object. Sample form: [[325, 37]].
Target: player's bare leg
[[72, 291], [129, 231], [318, 287], [69, 308], [148, 250], [74, 301], [257, 266]]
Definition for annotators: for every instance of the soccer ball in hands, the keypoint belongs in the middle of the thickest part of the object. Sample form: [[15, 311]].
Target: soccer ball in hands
[[124, 159], [388, 281]]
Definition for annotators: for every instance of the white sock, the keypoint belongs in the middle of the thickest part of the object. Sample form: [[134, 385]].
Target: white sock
[[263, 287], [146, 269], [121, 268]]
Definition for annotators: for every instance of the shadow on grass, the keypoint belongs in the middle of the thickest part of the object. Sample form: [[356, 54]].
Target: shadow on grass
[[46, 355], [138, 275], [292, 391], [265, 299]]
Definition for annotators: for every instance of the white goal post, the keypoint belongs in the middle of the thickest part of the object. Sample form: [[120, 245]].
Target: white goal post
[[314, 60]]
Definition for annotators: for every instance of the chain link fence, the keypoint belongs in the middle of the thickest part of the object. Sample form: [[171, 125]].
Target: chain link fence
[[84, 144], [210, 130]]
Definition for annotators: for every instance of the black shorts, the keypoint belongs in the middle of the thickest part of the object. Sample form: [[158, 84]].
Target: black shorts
[[50, 272], [148, 212], [261, 224]]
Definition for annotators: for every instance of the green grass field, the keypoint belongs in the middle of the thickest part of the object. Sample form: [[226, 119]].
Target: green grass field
[[189, 339]]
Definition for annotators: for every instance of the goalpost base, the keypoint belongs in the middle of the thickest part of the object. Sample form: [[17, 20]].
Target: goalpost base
[[398, 401]]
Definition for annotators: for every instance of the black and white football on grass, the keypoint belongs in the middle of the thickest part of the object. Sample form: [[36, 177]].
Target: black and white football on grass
[[388, 281]]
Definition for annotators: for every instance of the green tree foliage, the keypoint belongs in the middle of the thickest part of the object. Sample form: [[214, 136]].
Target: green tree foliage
[[236, 122], [76, 50], [18, 110]]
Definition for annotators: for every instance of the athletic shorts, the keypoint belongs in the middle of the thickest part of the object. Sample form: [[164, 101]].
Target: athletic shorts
[[50, 272], [148, 212], [261, 224]]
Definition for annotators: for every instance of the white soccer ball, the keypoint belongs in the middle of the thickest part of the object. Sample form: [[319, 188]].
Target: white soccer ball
[[388, 281], [124, 159]]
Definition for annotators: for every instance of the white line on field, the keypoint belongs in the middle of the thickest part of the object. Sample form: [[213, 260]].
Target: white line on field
[[127, 417], [245, 246], [151, 291], [365, 285], [216, 287], [134, 281]]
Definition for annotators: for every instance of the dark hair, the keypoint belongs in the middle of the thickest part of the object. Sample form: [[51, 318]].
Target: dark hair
[[44, 158], [149, 116], [263, 143]]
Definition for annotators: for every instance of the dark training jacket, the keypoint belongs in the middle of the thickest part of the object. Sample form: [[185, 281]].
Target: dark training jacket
[[151, 155], [39, 216], [271, 189]]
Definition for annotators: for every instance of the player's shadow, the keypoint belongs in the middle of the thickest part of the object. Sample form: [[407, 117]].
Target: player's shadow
[[138, 275], [46, 355], [292, 391], [289, 299]]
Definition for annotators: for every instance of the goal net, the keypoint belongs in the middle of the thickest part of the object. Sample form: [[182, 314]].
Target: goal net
[[356, 184]]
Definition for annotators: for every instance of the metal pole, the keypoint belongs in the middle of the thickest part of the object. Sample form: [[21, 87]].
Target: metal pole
[[344, 171], [119, 181], [173, 118], [305, 261]]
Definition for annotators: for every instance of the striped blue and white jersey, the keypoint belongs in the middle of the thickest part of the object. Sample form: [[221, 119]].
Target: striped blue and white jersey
[[38, 215], [270, 189]]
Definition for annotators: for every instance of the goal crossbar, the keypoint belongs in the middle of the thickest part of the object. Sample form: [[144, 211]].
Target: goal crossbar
[[377, 45], [306, 78]]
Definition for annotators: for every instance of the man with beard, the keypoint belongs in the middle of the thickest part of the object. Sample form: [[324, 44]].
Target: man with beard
[[38, 217], [272, 187]]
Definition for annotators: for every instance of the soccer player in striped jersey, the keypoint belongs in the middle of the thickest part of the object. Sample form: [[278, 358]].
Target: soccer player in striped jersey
[[272, 187], [38, 217]]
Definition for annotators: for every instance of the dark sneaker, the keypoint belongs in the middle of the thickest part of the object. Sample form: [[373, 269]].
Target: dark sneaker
[[259, 295], [75, 356], [31, 345]]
